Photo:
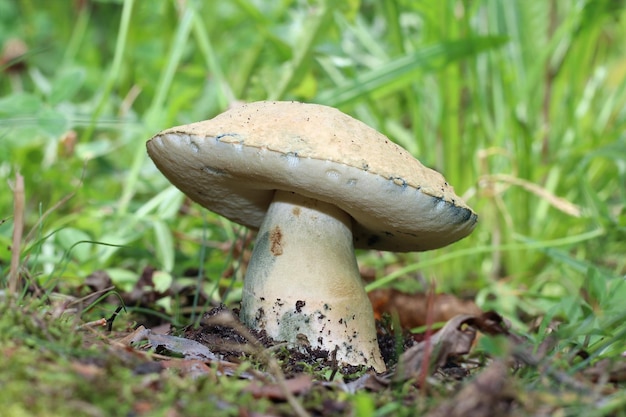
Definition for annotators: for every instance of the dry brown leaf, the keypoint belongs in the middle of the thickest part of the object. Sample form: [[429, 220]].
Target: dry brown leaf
[[489, 394], [490, 323], [98, 281], [13, 56], [412, 308], [607, 370], [87, 370], [298, 385], [143, 407], [192, 368], [455, 338]]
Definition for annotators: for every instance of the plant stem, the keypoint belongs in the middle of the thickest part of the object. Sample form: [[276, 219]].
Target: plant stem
[[18, 227]]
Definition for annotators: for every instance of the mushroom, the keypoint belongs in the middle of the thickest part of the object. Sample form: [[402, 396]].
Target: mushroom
[[316, 183]]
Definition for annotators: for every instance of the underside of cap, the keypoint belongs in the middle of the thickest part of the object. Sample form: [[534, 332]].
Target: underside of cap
[[232, 165]]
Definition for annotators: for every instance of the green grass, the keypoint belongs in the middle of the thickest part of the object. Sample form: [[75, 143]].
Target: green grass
[[521, 104]]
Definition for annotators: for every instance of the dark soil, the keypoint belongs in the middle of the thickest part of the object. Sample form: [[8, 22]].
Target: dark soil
[[233, 342]]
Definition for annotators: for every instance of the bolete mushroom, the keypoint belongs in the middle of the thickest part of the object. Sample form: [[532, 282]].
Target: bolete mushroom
[[316, 183]]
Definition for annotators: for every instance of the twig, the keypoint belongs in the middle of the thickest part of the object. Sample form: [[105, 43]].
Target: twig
[[18, 228], [113, 317], [335, 366], [96, 323]]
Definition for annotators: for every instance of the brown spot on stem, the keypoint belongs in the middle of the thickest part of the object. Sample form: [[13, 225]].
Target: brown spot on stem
[[276, 241], [296, 211]]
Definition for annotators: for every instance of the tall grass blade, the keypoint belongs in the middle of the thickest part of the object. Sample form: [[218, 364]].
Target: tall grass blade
[[400, 72]]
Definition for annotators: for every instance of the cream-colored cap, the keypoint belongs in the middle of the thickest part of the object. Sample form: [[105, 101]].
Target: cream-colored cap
[[233, 163]]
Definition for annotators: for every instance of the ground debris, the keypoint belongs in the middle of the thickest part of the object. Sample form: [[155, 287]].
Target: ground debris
[[180, 346], [221, 346], [490, 394], [607, 370], [454, 339], [299, 384]]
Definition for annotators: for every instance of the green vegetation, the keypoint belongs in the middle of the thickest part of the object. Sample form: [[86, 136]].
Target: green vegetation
[[521, 104]]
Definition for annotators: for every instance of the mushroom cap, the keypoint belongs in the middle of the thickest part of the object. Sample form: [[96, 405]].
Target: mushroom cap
[[233, 163]]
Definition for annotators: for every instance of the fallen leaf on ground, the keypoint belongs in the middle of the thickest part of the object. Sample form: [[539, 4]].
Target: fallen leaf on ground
[[489, 394], [412, 308], [189, 349], [297, 385], [607, 370], [454, 339], [192, 368], [87, 370]]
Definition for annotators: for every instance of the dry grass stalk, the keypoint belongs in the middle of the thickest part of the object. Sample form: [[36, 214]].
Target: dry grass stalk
[[18, 228]]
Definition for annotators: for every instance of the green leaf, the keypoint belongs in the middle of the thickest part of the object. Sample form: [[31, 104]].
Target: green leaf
[[595, 286], [495, 346], [52, 122], [94, 149], [164, 245], [166, 204], [66, 86], [162, 281], [123, 278], [363, 405], [76, 241], [20, 104]]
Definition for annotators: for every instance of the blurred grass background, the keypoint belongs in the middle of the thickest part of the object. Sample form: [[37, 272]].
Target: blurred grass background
[[521, 104]]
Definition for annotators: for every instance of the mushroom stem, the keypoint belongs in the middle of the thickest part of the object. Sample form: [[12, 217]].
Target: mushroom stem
[[303, 279]]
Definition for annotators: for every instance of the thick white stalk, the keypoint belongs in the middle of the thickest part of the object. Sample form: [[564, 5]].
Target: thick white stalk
[[303, 279]]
